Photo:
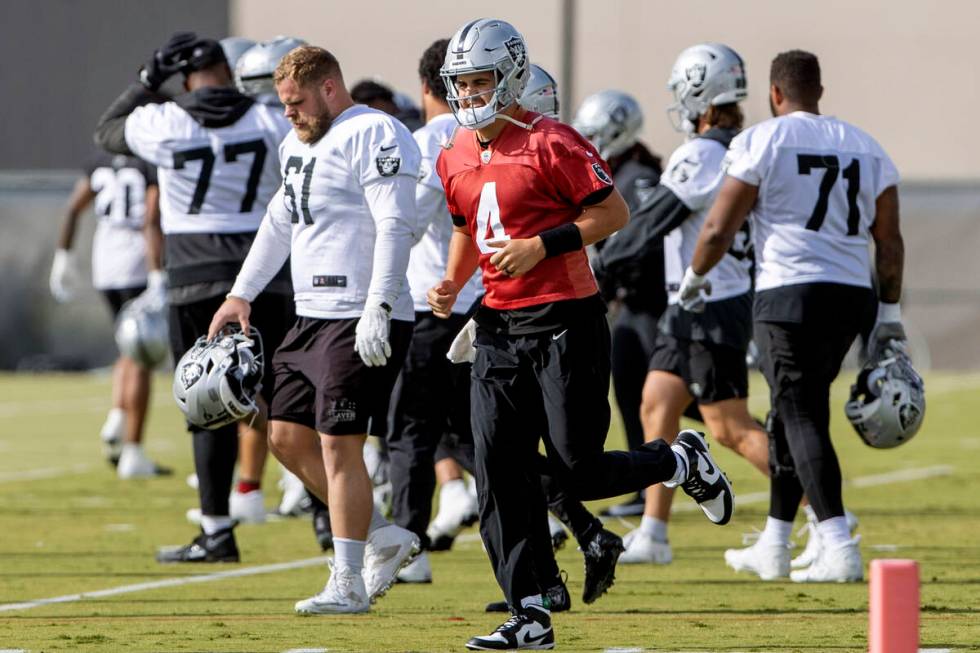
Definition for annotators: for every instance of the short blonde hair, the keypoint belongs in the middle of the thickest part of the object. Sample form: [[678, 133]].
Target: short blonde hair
[[307, 64]]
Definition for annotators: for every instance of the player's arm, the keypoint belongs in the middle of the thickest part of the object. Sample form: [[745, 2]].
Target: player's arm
[[727, 215], [655, 218], [110, 132], [889, 264], [462, 262], [63, 267], [268, 253], [152, 232]]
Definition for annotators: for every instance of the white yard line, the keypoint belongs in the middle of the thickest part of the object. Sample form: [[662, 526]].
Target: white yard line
[[42, 473], [169, 582]]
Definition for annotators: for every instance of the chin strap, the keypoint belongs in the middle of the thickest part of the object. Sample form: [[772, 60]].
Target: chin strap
[[522, 125]]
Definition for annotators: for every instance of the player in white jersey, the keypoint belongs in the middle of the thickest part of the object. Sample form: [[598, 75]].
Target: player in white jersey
[[124, 190], [816, 190], [698, 357], [345, 217], [216, 154]]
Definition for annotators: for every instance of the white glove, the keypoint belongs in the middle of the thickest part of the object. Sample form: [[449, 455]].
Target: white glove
[[462, 349], [689, 294], [63, 276], [888, 328], [372, 334], [155, 295]]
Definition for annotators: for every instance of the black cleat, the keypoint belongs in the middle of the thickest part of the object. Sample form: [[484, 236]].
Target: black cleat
[[217, 547], [601, 556], [633, 507], [705, 482], [528, 628], [557, 597], [322, 530], [441, 543]]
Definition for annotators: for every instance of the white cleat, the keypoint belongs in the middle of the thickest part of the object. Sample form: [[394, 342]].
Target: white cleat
[[558, 533], [417, 571], [247, 508], [457, 509], [133, 463], [644, 549], [112, 435], [842, 564], [293, 494], [344, 594], [766, 560], [388, 549], [812, 549]]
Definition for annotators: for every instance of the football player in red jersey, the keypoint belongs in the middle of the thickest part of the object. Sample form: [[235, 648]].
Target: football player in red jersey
[[527, 194]]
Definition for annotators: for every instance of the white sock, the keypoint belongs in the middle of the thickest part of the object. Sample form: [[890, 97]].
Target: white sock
[[537, 601], [377, 520], [132, 448], [349, 554], [776, 531], [456, 485], [680, 474], [211, 524], [653, 527], [834, 532], [811, 514]]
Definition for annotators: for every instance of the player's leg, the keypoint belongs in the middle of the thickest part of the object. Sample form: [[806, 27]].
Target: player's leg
[[665, 397], [114, 428]]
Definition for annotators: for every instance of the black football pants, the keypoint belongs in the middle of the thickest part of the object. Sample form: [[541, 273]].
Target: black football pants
[[555, 384], [216, 451]]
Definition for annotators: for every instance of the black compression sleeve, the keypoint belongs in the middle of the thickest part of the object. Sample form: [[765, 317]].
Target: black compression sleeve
[[110, 133]]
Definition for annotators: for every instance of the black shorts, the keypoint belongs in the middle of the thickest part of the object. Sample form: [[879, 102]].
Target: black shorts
[[711, 371], [117, 297], [322, 383], [272, 313]]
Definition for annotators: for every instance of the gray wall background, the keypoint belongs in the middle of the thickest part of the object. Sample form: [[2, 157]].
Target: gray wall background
[[64, 61]]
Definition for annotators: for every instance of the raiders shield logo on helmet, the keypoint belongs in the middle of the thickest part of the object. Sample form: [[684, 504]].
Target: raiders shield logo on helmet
[[388, 165], [515, 47], [601, 174], [190, 374], [696, 73]]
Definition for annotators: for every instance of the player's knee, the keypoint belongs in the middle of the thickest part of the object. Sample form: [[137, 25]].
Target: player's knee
[[728, 437]]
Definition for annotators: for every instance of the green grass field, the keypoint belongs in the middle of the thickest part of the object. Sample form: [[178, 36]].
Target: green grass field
[[70, 527]]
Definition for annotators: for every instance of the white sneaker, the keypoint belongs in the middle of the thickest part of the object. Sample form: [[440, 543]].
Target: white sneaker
[[417, 571], [112, 435], [558, 533], [457, 509], [768, 561], [293, 494], [247, 508], [812, 549], [643, 548], [133, 463], [343, 594], [842, 564], [388, 549]]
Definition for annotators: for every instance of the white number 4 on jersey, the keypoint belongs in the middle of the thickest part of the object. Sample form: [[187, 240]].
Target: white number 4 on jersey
[[488, 219]]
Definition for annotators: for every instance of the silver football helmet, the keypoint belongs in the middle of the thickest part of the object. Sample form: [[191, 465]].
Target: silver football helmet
[[256, 67], [541, 93], [234, 47], [611, 120], [142, 333], [704, 75], [216, 381], [888, 401], [485, 45]]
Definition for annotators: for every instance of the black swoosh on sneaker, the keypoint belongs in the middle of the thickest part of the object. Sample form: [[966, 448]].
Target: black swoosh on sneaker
[[527, 639]]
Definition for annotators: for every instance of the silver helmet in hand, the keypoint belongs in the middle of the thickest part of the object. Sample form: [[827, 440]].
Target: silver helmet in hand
[[887, 402], [142, 333]]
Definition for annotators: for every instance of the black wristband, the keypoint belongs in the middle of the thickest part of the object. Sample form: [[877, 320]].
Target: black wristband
[[561, 239]]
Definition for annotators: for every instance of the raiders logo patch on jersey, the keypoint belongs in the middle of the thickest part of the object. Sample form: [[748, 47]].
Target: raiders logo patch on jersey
[[601, 174], [388, 165]]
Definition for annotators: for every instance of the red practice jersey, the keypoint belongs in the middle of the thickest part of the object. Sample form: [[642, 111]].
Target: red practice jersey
[[525, 182]]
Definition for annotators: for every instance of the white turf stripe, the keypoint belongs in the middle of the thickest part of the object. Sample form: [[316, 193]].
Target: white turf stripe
[[650, 650], [42, 473], [169, 582]]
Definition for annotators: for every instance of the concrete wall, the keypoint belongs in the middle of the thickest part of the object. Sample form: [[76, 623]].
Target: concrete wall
[[904, 71], [64, 61]]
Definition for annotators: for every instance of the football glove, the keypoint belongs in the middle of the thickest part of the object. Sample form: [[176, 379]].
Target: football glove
[[689, 294], [462, 349], [167, 61], [888, 327], [371, 334], [155, 295], [63, 275]]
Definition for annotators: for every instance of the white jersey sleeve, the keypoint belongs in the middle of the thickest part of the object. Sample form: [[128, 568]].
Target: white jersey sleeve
[[818, 179], [268, 253]]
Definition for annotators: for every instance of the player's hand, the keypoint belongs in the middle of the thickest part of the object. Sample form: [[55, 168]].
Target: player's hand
[[234, 309], [155, 295], [166, 61], [690, 293], [887, 328], [441, 298], [63, 276], [516, 257], [371, 334], [462, 349]]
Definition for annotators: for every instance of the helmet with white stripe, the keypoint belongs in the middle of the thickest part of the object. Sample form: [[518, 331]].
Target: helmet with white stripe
[[704, 75]]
